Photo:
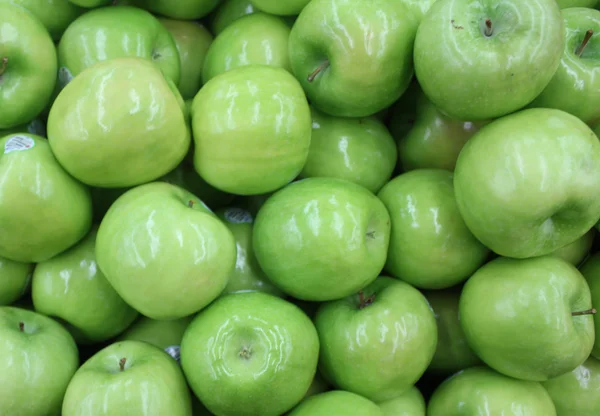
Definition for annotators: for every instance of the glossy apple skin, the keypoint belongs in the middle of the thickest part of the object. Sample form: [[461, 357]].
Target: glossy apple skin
[[119, 123], [193, 41], [410, 403], [359, 150], [251, 128], [229, 11], [159, 333], [250, 353], [430, 245], [166, 259], [591, 271], [115, 32], [487, 77], [35, 365], [578, 250], [55, 15], [151, 382], [529, 183], [256, 39], [337, 32], [287, 8], [70, 286], [322, 239], [14, 280], [577, 392], [337, 403], [38, 199], [418, 8], [516, 316], [182, 9], [28, 80], [378, 351], [477, 388]]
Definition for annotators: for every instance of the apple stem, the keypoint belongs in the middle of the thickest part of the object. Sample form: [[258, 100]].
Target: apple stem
[[364, 302], [586, 39], [190, 203], [122, 362], [21, 327], [587, 312], [488, 31], [317, 70], [3, 64]]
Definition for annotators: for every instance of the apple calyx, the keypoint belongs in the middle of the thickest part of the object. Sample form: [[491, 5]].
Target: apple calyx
[[122, 362], [245, 353], [318, 70], [22, 326], [591, 311], [488, 30], [584, 42], [3, 64], [363, 301]]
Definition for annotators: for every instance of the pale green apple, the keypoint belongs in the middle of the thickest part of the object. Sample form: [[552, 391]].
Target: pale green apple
[[128, 378], [430, 245], [591, 271], [529, 183], [482, 391], [165, 253], [43, 210], [180, 9], [528, 318], [256, 39], [55, 15], [229, 11], [578, 250], [360, 150], [193, 41], [15, 278], [281, 8], [115, 32], [162, 334], [250, 353], [119, 123], [35, 126], [28, 65], [38, 357], [322, 239], [251, 128], [482, 59], [577, 392], [360, 337], [337, 403], [564, 4], [353, 57], [410, 403], [71, 287]]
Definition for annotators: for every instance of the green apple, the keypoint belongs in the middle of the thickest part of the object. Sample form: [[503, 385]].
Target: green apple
[[115, 32], [360, 337], [93, 3], [418, 8], [430, 245], [529, 183], [165, 253], [564, 4], [251, 129], [35, 126], [337, 403], [482, 391], [250, 353], [229, 11], [181, 9], [353, 57], [128, 378], [410, 403], [528, 318], [281, 8], [71, 287], [322, 239], [27, 66], [482, 59], [591, 271], [577, 392], [38, 357], [15, 278], [578, 250], [43, 210], [360, 150], [247, 275], [162, 334], [453, 352], [574, 87], [256, 39], [119, 123]]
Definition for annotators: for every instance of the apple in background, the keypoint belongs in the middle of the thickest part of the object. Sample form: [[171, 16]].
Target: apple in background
[[27, 66], [55, 15], [102, 199], [39, 201], [14, 280], [577, 392], [251, 128], [353, 57], [92, 3], [360, 150], [529, 183], [430, 245], [253, 203], [35, 126], [468, 392], [128, 377], [250, 353], [410, 403], [256, 39], [337, 403], [563, 4], [322, 239], [453, 352], [115, 32], [528, 318], [192, 40], [318, 386], [165, 253], [247, 275], [162, 334], [496, 58], [287, 8], [361, 334], [575, 85], [403, 113], [119, 123], [38, 357], [229, 11], [578, 250], [181, 9], [591, 271]]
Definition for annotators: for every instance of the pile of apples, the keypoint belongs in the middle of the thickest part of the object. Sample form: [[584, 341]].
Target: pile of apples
[[299, 207]]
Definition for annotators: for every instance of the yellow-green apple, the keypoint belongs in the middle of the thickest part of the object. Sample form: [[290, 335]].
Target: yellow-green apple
[[162, 334], [410, 403], [229, 11], [337, 403], [15, 278], [578, 250], [591, 271], [55, 15]]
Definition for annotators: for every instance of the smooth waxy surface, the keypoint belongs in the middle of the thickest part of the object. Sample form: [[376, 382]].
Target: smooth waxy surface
[[337, 403], [161, 334], [14, 279], [410, 403], [591, 271], [228, 12]]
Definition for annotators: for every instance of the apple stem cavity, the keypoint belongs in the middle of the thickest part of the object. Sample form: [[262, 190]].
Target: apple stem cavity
[[586, 39], [122, 362], [587, 312], [3, 64], [363, 301], [318, 70], [488, 30], [21, 326]]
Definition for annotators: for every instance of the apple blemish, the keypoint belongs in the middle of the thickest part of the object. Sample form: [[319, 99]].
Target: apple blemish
[[324, 65], [122, 362], [22, 326], [191, 204], [591, 311], [584, 42]]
